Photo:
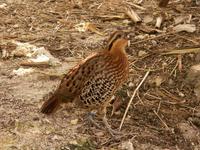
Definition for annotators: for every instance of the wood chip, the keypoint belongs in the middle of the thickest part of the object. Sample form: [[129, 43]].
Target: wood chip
[[185, 27], [133, 15], [159, 21]]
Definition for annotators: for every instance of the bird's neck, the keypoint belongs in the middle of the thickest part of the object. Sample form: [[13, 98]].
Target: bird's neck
[[119, 56], [118, 51]]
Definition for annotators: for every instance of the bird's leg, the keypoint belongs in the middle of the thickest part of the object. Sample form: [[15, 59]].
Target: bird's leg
[[90, 118], [105, 121]]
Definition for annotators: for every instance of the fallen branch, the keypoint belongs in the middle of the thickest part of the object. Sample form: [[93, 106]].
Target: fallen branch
[[185, 27], [112, 17], [182, 51], [130, 101]]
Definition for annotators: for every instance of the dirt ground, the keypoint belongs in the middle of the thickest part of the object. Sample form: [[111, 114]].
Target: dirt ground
[[164, 113]]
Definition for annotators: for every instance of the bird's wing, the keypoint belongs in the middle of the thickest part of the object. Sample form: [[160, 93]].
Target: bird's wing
[[97, 89], [74, 81]]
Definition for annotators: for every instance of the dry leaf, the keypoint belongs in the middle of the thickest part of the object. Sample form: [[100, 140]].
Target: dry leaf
[[182, 19], [147, 19], [93, 28], [142, 53], [179, 7], [130, 84], [82, 27], [74, 142], [74, 122], [158, 80]]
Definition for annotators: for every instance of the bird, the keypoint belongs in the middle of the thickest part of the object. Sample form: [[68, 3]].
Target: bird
[[92, 83]]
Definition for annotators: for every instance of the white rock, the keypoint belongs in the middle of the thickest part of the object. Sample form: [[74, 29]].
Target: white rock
[[22, 71], [40, 58]]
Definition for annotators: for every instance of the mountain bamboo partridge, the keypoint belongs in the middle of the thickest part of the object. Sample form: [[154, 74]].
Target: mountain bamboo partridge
[[94, 81]]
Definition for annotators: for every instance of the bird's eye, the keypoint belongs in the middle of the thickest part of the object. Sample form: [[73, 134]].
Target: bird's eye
[[119, 36]]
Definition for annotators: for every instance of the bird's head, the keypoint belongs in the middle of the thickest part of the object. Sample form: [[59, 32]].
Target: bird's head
[[113, 37], [117, 42], [119, 46]]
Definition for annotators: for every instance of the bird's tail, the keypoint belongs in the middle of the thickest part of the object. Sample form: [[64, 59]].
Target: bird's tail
[[51, 105]]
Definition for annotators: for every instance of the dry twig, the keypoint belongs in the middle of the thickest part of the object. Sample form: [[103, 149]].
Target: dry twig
[[166, 126], [136, 6], [179, 61], [182, 51], [164, 35], [187, 38], [134, 93]]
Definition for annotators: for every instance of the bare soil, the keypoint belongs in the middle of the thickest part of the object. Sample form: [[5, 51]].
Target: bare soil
[[162, 112]]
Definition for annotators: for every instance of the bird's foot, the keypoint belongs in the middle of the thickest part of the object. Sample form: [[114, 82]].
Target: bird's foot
[[90, 118], [112, 132]]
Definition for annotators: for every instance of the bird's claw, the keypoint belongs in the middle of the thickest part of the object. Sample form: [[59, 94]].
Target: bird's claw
[[90, 117], [113, 132]]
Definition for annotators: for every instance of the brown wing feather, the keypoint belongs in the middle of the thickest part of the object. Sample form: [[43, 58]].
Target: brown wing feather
[[98, 89], [105, 80], [73, 82]]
